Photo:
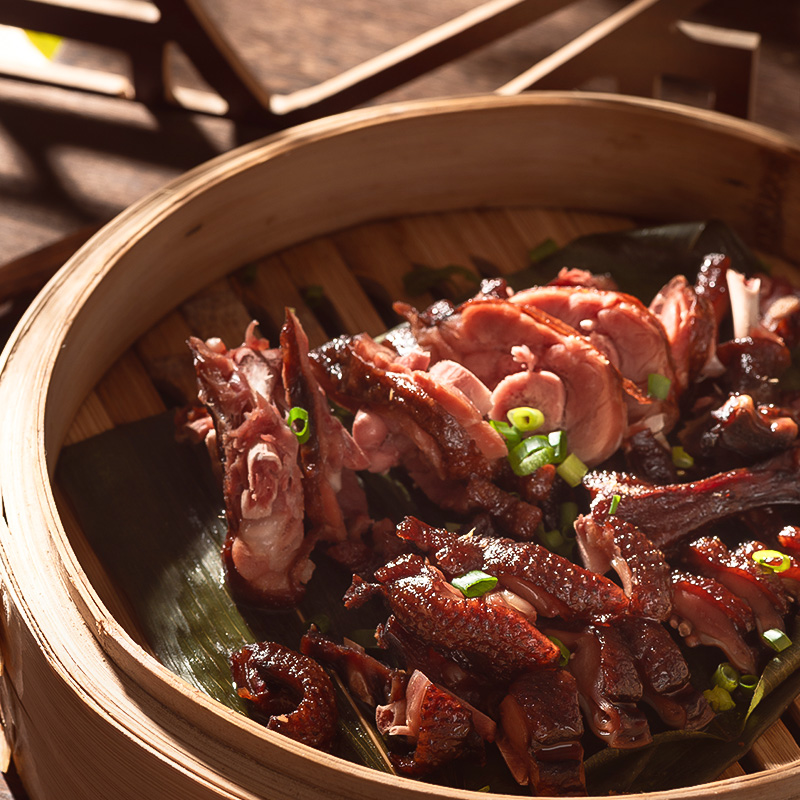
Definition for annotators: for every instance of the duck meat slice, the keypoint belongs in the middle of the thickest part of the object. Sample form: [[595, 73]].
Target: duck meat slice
[[704, 612], [712, 284], [609, 686], [406, 416], [438, 725], [760, 589], [787, 574], [266, 551], [368, 679], [496, 638], [528, 358], [573, 276], [691, 328], [552, 584], [291, 689], [619, 325], [669, 514], [335, 505], [753, 365], [606, 541], [665, 675], [541, 728], [513, 515]]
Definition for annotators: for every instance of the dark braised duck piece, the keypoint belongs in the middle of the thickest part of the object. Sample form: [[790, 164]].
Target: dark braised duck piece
[[711, 283], [760, 589], [648, 459], [527, 358], [608, 685], [606, 541], [706, 612], [541, 728], [292, 690], [266, 550], [496, 638], [669, 514], [753, 364], [552, 584], [436, 724], [665, 675], [328, 455]]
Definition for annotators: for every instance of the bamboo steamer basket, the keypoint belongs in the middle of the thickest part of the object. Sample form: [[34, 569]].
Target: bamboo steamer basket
[[86, 711]]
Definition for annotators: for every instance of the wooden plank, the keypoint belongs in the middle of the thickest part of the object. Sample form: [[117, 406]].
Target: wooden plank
[[776, 747]]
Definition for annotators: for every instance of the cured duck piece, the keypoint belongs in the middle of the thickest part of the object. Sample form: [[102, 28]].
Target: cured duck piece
[[668, 515], [292, 690], [706, 612], [527, 358], [552, 584], [606, 541], [335, 505], [266, 551], [496, 638], [541, 728]]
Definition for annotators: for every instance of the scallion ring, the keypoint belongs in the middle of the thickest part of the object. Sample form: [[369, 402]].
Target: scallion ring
[[681, 459], [525, 418], [565, 654], [304, 431], [572, 470], [776, 639], [748, 683], [530, 454], [726, 676], [474, 583], [773, 560]]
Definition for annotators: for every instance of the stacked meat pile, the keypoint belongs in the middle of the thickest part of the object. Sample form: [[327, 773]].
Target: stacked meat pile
[[539, 646]]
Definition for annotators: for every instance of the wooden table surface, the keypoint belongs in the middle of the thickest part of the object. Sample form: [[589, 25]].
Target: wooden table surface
[[69, 162]]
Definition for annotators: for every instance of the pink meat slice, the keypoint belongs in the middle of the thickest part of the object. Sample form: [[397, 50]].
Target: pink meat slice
[[528, 358]]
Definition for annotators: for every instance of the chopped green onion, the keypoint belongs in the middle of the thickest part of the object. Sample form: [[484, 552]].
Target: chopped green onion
[[530, 454], [512, 436], [748, 683], [776, 639], [474, 583], [321, 621], [558, 441], [565, 654], [525, 418], [658, 386], [719, 699], [612, 509], [567, 514], [552, 540], [681, 459], [365, 637], [726, 676], [773, 560], [304, 431], [572, 470], [542, 250]]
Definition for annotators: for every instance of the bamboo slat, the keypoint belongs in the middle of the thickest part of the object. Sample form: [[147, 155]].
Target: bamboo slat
[[97, 339]]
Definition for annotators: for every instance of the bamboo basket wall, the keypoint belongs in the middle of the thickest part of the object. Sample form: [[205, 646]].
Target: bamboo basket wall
[[88, 713]]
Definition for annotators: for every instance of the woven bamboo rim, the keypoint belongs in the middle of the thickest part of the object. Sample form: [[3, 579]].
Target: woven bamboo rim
[[88, 713]]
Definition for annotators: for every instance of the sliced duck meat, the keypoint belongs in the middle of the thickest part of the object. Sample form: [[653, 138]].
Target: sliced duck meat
[[266, 550], [326, 450], [552, 584], [498, 639], [406, 416], [779, 308], [691, 328], [780, 568], [617, 324], [436, 724], [606, 541], [368, 679], [753, 365], [738, 572], [649, 458], [572, 276], [665, 675], [608, 684], [667, 515], [705, 612], [527, 358], [541, 728], [711, 283], [512, 515], [290, 689]]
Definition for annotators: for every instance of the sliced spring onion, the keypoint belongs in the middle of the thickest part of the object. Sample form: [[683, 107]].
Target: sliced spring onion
[[748, 683], [512, 436], [773, 560], [681, 459], [364, 637], [552, 540], [530, 454], [612, 509], [658, 386], [565, 654], [726, 676], [776, 639], [525, 418], [474, 583], [302, 432], [558, 441], [572, 470], [567, 514], [719, 699]]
